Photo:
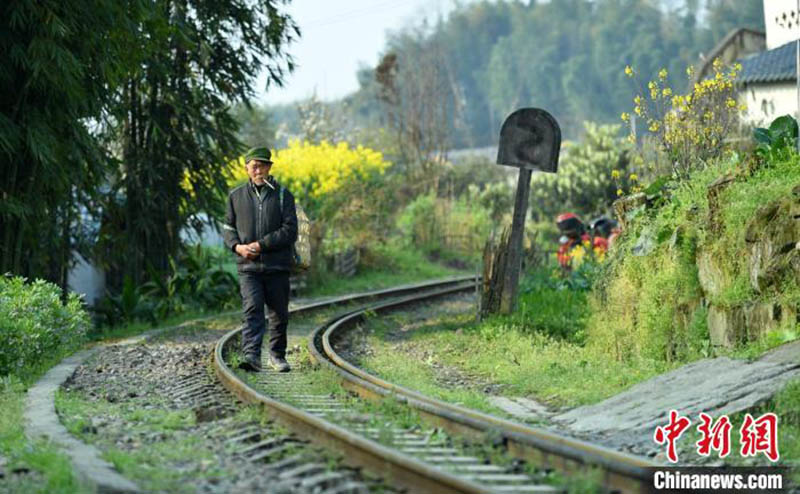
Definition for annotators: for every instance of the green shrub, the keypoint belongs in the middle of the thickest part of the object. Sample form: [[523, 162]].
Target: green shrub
[[650, 305], [553, 306], [589, 174], [35, 326], [198, 279], [777, 142], [418, 222], [440, 225]]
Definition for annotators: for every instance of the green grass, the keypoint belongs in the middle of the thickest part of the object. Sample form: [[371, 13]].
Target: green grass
[[554, 371], [156, 465], [383, 267], [51, 470], [136, 328], [392, 365], [386, 414], [773, 339], [650, 306]]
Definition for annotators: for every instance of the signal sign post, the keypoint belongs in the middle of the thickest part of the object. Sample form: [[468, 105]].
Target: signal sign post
[[530, 139]]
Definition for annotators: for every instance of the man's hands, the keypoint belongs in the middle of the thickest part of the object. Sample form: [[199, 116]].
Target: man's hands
[[249, 251]]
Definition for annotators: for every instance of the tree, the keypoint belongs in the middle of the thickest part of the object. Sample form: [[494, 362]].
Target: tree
[[585, 181], [418, 102], [172, 122], [61, 63], [256, 125]]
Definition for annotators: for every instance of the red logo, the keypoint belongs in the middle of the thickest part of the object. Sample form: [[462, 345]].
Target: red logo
[[716, 436], [669, 434], [755, 436], [760, 436]]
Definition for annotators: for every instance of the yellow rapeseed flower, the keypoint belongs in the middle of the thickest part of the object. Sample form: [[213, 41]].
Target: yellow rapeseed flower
[[625, 116], [628, 71], [690, 71], [662, 74], [651, 85], [619, 192], [666, 92], [638, 110], [324, 168], [654, 126], [615, 174], [577, 254], [731, 103], [637, 99], [634, 177]]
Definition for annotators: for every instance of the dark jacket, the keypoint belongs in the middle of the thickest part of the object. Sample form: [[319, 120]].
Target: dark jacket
[[250, 218]]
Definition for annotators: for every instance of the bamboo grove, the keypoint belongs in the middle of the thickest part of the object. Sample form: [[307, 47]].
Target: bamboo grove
[[107, 108]]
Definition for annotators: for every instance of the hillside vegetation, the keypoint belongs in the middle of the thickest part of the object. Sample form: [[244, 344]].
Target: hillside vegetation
[[486, 59]]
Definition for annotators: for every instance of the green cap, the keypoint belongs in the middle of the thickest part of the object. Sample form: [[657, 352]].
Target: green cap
[[260, 154]]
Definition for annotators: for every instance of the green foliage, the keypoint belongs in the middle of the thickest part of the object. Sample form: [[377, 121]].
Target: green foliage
[[644, 305], [129, 304], [564, 56], [495, 182], [36, 326], [418, 222], [692, 129], [382, 264], [51, 467], [106, 108], [256, 125], [554, 306], [649, 305], [435, 225], [171, 122], [61, 63], [585, 181], [197, 280], [777, 142]]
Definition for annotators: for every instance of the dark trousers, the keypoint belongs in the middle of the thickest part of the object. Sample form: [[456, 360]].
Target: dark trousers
[[272, 290]]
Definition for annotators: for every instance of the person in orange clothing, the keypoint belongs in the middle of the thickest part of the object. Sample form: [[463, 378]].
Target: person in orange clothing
[[572, 234], [575, 241]]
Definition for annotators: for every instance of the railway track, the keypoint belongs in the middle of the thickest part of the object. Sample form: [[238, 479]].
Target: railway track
[[408, 457]]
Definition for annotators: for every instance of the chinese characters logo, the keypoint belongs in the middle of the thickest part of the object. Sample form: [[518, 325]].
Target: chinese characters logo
[[755, 435]]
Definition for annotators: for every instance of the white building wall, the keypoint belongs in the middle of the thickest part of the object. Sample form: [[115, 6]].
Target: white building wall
[[87, 279], [765, 102], [781, 20]]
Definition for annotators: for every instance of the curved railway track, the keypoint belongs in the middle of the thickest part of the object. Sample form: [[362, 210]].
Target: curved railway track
[[413, 460]]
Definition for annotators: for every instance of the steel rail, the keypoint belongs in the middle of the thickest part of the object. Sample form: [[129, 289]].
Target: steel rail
[[397, 467], [623, 472], [386, 292]]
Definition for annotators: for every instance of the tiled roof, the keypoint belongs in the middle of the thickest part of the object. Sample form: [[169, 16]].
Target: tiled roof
[[777, 64]]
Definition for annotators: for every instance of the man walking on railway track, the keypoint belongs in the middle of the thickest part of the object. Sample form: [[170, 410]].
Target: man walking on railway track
[[261, 232]]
